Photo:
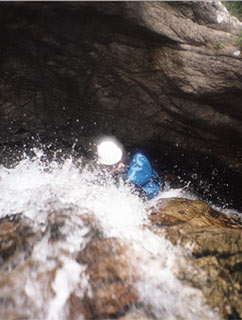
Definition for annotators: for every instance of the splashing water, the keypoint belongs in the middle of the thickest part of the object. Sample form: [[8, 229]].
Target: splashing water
[[50, 194]]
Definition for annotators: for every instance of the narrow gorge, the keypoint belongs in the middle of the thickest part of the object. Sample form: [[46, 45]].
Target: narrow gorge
[[162, 77]]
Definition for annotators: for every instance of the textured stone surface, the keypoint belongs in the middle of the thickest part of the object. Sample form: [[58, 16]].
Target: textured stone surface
[[17, 238], [159, 76], [215, 241], [111, 278], [192, 212], [134, 315], [105, 287]]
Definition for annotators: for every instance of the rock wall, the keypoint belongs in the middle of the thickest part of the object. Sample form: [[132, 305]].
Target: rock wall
[[164, 77], [215, 240]]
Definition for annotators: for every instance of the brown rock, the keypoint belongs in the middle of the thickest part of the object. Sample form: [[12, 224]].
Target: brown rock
[[192, 212], [110, 276], [213, 242], [8, 239], [17, 238], [134, 315]]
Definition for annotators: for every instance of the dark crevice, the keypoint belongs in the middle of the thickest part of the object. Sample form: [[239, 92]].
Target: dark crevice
[[218, 255]]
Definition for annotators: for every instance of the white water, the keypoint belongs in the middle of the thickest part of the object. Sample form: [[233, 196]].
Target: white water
[[49, 192]]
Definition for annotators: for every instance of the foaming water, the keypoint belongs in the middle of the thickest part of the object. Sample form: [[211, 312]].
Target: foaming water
[[49, 194]]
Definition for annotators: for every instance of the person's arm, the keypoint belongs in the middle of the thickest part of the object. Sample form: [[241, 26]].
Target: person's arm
[[116, 169]]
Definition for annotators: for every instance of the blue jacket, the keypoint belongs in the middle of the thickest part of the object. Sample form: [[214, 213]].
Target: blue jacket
[[141, 174]]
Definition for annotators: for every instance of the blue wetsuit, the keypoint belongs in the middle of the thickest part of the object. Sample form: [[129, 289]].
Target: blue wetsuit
[[143, 176]]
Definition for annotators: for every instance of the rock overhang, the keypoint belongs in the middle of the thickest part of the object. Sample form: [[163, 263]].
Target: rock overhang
[[158, 76]]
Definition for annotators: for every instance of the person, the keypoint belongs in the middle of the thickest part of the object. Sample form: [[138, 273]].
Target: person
[[138, 172]]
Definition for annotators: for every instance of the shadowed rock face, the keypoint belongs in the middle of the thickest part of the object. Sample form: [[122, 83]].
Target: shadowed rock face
[[159, 76]]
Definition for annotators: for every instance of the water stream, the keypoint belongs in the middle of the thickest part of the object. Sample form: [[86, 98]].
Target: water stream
[[48, 192]]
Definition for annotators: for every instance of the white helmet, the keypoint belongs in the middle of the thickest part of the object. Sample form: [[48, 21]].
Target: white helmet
[[109, 152]]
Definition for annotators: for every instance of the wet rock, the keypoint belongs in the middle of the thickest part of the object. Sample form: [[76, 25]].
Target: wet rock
[[111, 278], [35, 257], [172, 211], [105, 282], [213, 242], [134, 315], [17, 238], [9, 240]]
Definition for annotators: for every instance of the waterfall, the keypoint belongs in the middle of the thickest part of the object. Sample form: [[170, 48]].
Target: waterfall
[[49, 193]]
